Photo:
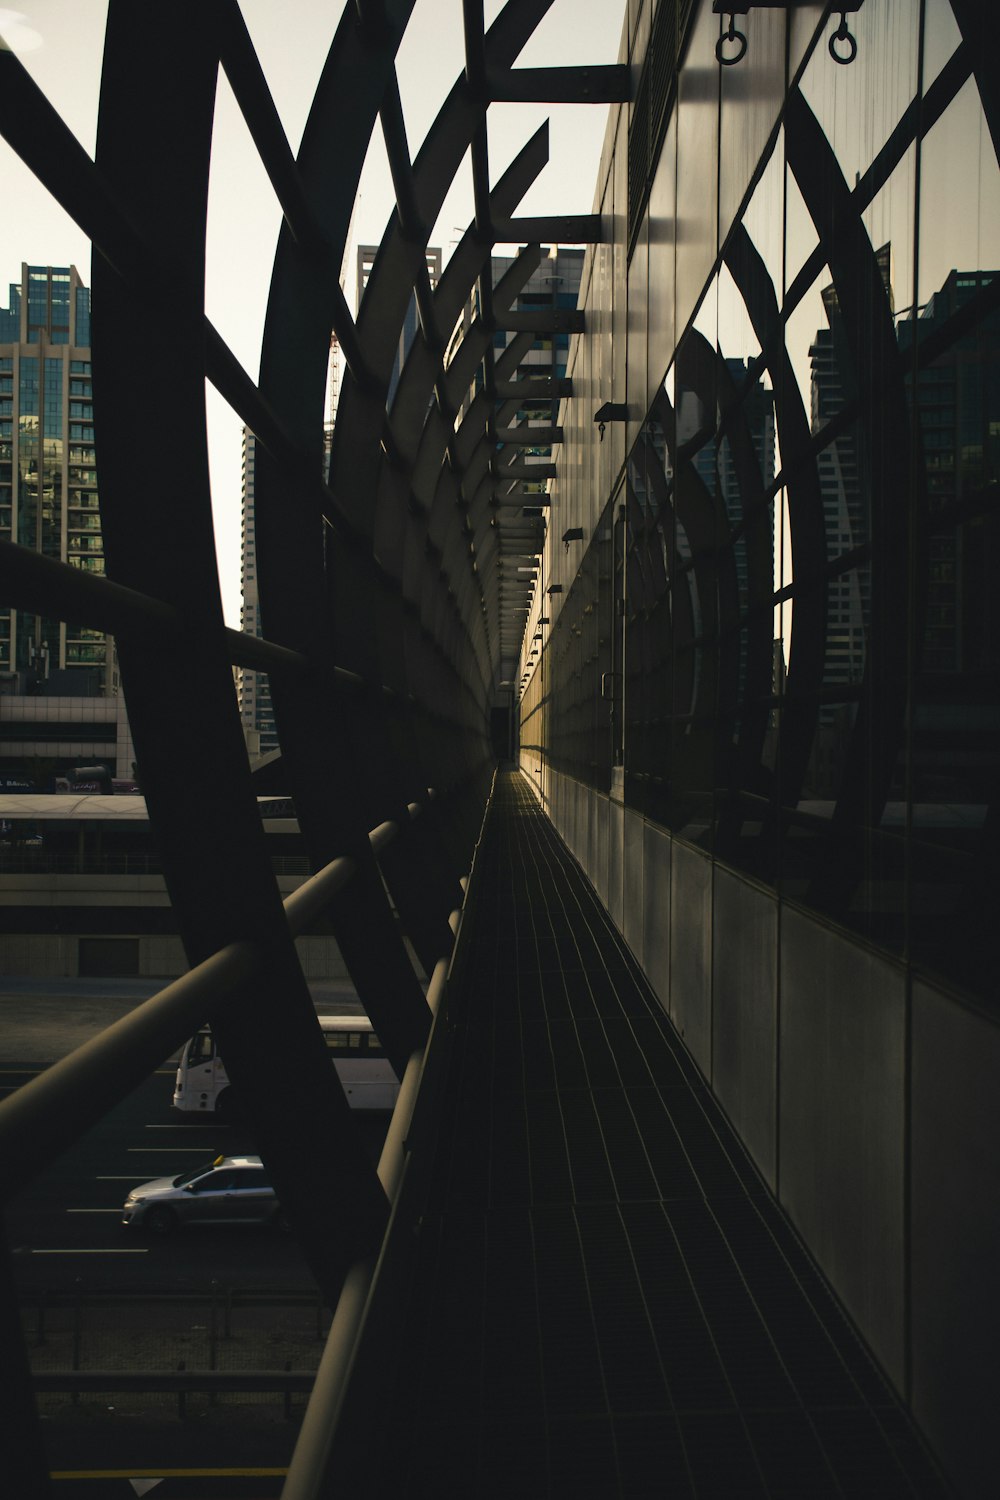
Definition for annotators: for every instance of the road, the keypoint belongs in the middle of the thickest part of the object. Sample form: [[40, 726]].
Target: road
[[66, 1227], [66, 1236]]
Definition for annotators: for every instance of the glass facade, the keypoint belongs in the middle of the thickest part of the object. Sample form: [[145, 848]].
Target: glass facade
[[761, 681], [253, 689], [809, 522], [48, 475]]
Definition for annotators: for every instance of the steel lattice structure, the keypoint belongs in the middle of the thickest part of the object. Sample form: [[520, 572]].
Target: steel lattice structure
[[725, 801], [382, 590]]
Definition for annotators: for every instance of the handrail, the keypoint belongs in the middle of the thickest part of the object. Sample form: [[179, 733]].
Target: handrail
[[387, 831], [319, 1424], [305, 903], [307, 1468], [32, 581], [52, 1109]]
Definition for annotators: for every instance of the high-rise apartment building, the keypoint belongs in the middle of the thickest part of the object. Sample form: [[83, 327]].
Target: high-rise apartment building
[[733, 473], [48, 475], [554, 283], [958, 397], [408, 332], [59, 704], [959, 417], [253, 688]]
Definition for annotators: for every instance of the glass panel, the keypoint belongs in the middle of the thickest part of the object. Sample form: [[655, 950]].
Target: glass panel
[[844, 438], [859, 106], [954, 382], [579, 662], [941, 38]]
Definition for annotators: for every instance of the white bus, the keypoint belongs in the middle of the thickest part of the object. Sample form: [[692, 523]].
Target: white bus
[[362, 1067]]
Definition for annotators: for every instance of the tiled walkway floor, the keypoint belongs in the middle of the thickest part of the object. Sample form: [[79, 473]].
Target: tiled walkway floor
[[608, 1301]]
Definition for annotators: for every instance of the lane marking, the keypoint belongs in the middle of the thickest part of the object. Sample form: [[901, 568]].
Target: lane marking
[[242, 1473], [166, 1150], [90, 1252], [42, 1067]]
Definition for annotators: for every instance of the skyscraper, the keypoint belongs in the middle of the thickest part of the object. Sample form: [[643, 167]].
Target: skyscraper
[[253, 688], [366, 260], [846, 496], [48, 475], [958, 400]]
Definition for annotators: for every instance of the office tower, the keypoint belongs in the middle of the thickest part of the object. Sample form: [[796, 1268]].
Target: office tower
[[958, 400], [253, 688], [846, 492], [48, 475], [60, 708], [555, 283], [366, 260], [719, 469]]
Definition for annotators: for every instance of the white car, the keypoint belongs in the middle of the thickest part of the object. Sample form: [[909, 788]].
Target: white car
[[229, 1190]]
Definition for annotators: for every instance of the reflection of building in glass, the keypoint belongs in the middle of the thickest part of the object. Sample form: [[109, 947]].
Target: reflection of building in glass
[[958, 398], [958, 401], [411, 323], [846, 496], [717, 465]]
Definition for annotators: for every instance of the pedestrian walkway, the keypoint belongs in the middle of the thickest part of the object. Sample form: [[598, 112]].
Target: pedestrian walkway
[[608, 1301]]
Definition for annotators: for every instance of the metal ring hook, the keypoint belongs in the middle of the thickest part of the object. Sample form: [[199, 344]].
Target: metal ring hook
[[843, 35], [732, 35]]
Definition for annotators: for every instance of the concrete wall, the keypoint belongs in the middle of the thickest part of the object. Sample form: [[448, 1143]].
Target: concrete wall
[[866, 1097]]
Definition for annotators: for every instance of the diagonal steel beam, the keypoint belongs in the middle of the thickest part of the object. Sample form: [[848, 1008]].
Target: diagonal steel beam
[[249, 85], [411, 220]]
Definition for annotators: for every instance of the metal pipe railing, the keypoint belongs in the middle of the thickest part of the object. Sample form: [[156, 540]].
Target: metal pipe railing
[[53, 1109], [307, 901], [319, 1424], [33, 582], [307, 1469], [50, 1112]]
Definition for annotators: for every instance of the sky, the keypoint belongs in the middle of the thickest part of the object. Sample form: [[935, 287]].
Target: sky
[[60, 42]]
